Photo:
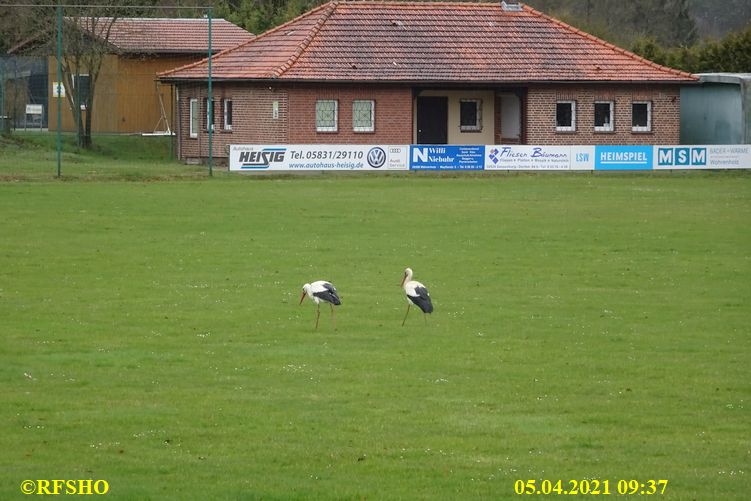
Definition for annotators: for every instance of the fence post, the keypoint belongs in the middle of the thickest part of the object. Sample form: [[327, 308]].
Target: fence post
[[210, 107], [3, 120], [59, 84]]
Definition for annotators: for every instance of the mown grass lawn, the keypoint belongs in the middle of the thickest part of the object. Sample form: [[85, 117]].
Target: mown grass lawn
[[586, 327], [33, 156]]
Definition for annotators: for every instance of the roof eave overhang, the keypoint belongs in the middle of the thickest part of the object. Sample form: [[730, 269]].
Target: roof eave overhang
[[424, 83]]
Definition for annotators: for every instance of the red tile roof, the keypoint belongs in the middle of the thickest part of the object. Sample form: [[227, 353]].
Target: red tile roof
[[168, 35], [429, 42]]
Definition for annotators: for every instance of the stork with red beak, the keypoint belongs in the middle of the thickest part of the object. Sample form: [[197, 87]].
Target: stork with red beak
[[318, 291], [417, 294]]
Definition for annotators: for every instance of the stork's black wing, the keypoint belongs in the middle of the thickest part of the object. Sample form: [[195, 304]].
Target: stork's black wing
[[422, 300], [328, 294]]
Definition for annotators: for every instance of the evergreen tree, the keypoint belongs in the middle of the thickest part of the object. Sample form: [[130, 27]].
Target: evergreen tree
[[731, 54]]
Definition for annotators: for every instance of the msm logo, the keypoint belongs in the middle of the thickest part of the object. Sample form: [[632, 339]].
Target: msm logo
[[261, 159], [681, 156]]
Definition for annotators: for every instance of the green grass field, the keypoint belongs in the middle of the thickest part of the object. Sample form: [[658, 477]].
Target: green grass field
[[33, 157], [587, 327]]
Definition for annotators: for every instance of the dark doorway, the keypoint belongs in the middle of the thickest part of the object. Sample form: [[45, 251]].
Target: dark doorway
[[432, 120]]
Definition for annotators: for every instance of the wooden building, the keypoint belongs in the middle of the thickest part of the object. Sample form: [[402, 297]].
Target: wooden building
[[128, 97]]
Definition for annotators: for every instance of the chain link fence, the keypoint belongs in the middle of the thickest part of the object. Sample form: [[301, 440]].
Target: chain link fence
[[83, 81]]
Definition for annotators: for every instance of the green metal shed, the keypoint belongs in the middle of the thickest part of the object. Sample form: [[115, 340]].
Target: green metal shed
[[718, 110]]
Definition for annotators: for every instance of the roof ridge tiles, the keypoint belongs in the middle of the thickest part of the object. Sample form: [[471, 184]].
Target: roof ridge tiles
[[281, 27], [256, 38], [328, 9], [146, 18], [419, 4]]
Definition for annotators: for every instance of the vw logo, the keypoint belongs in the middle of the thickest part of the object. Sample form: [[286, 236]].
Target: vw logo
[[376, 157]]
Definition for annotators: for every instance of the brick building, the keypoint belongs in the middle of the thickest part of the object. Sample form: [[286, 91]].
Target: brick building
[[430, 73]]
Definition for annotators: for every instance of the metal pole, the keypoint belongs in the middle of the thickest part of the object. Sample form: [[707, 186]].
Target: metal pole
[[210, 108], [3, 120], [59, 85]]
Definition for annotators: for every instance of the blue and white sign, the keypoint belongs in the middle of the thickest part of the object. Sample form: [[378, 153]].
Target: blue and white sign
[[506, 157], [681, 156], [311, 157], [445, 157], [369, 157], [623, 157], [582, 158], [730, 156]]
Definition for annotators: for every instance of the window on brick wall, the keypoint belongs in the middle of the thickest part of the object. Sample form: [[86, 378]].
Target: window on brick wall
[[209, 106], [194, 117], [227, 108], [363, 115], [327, 115], [604, 116], [641, 116], [470, 115], [565, 116]]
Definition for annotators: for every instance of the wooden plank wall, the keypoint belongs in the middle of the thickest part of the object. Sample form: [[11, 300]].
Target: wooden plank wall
[[125, 100]]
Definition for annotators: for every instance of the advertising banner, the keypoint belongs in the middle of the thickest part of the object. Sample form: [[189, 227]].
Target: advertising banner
[[500, 157], [312, 157], [351, 157], [623, 157], [737, 156], [582, 158], [445, 157]]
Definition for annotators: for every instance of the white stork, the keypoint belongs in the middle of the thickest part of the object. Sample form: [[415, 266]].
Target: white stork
[[318, 291], [416, 294]]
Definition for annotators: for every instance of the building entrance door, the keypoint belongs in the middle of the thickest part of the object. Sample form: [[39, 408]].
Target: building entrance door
[[432, 120]]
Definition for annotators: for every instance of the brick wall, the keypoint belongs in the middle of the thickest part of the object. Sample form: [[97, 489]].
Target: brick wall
[[393, 114], [253, 119], [665, 114], [254, 122]]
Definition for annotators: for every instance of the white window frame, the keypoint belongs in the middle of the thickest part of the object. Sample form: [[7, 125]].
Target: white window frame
[[193, 117], [610, 126], [566, 128], [328, 128], [227, 117], [639, 128], [210, 113], [370, 127], [477, 126]]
